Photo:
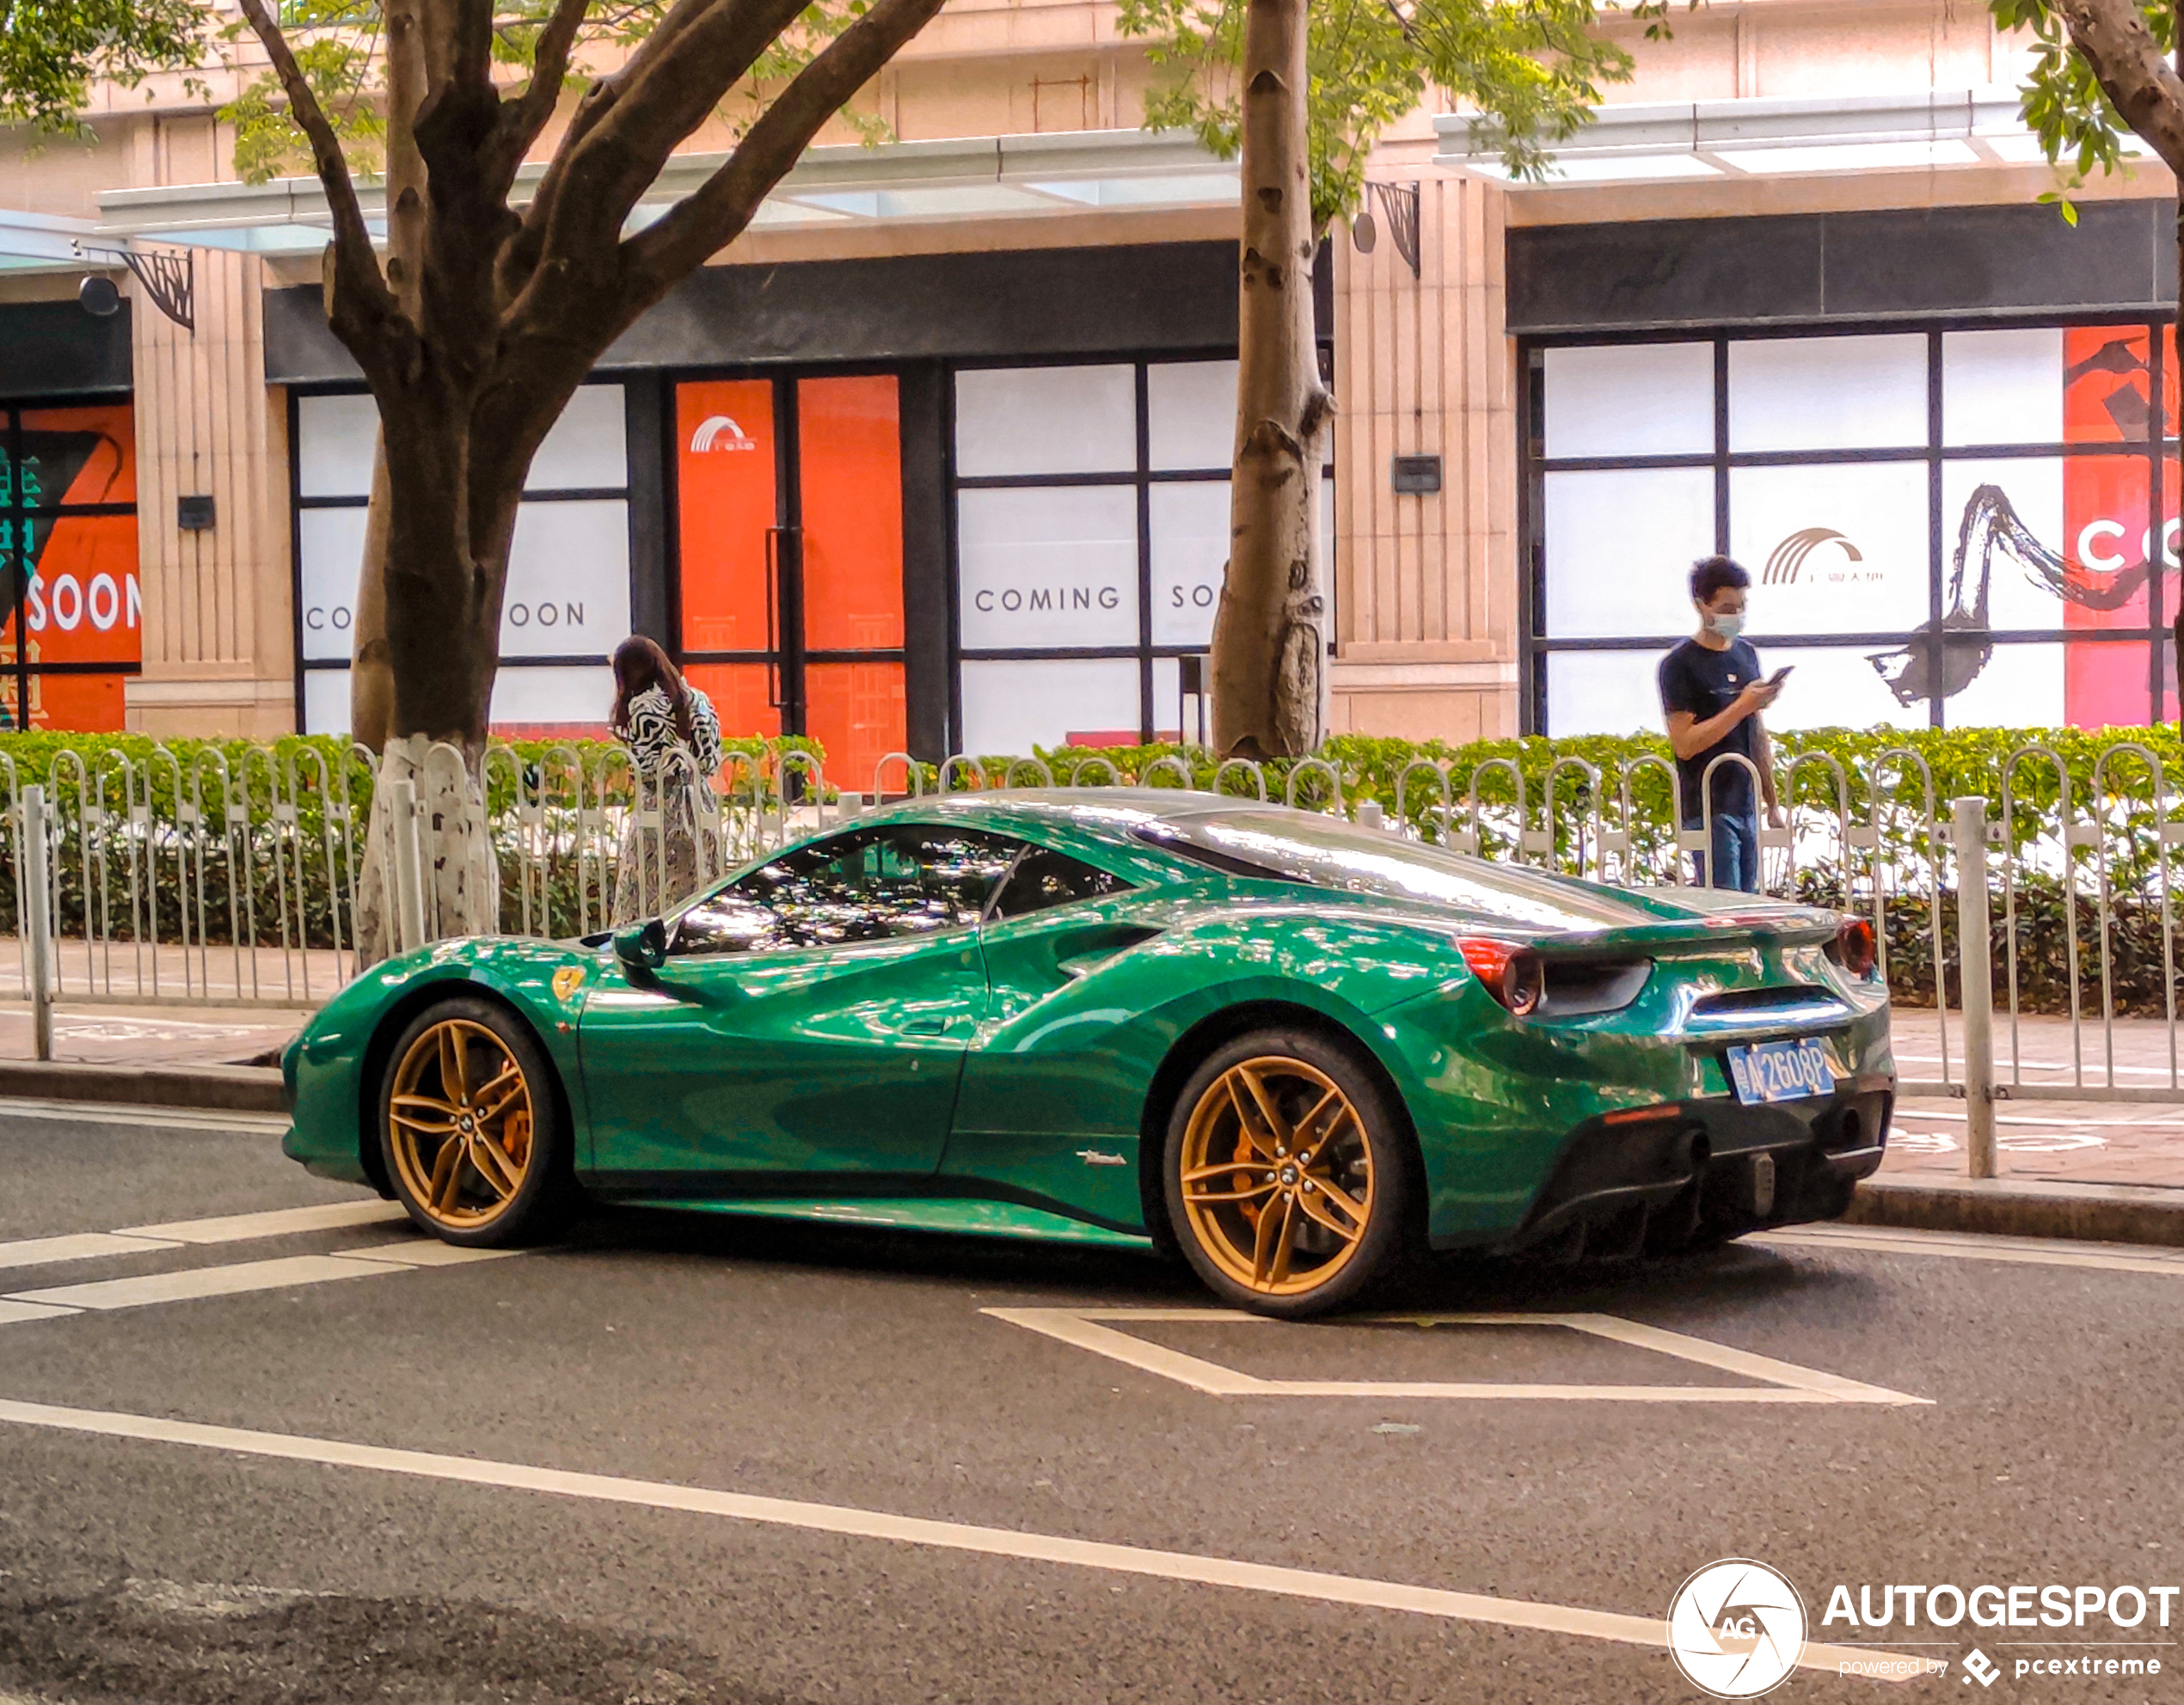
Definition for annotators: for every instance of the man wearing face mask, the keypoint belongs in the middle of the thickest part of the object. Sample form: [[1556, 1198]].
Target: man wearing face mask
[[1711, 693]]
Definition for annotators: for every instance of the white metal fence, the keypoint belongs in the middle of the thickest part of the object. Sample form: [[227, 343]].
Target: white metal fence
[[209, 882]]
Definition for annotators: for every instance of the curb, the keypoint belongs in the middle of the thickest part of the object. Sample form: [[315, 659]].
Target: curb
[[2086, 1213], [222, 1089]]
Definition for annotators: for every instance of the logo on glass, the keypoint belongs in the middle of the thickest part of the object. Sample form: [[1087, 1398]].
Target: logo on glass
[[719, 432], [1736, 1628]]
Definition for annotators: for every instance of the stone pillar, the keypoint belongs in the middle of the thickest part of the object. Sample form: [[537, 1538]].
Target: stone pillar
[[1426, 598], [218, 633]]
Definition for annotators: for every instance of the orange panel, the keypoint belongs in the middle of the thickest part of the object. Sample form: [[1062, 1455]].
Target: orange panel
[[724, 460], [80, 454], [738, 692], [77, 704], [84, 604], [850, 441], [855, 711]]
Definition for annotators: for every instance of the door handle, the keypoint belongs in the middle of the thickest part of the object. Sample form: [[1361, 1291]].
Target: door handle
[[926, 1026], [773, 640]]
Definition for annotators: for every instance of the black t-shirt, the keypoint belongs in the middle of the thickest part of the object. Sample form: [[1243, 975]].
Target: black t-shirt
[[1704, 683]]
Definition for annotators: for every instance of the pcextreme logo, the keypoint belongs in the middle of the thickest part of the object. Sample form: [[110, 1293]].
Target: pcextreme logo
[[719, 432], [1736, 1628]]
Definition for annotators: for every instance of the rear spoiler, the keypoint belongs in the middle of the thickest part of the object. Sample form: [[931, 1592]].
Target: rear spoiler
[[1730, 928]]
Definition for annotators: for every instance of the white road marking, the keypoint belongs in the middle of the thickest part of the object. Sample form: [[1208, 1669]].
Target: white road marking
[[237, 1277], [135, 1240], [1648, 1631], [1785, 1382], [143, 1116], [83, 1246], [11, 1311], [275, 1223], [1975, 1247]]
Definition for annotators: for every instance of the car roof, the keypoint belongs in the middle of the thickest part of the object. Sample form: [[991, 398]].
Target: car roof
[[1100, 806]]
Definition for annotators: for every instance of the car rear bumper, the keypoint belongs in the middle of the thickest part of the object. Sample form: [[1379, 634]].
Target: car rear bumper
[[1662, 1177]]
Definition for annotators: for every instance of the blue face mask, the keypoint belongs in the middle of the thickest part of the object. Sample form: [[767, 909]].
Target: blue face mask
[[1728, 627]]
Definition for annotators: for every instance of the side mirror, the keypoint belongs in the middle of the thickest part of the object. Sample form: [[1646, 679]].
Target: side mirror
[[643, 946]]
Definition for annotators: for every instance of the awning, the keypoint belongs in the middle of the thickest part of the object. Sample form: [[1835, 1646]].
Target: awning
[[1927, 130], [978, 177]]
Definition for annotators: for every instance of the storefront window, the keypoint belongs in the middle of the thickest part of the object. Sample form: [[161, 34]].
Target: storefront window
[[1091, 532], [567, 603], [71, 606], [1943, 527]]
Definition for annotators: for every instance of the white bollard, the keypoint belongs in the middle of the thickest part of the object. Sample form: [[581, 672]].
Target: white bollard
[[38, 921], [409, 873], [1976, 980]]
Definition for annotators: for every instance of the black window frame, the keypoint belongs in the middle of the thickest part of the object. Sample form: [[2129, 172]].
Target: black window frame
[[639, 515], [1141, 477], [2158, 446]]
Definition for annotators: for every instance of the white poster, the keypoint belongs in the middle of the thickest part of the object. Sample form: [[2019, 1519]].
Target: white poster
[[1620, 546], [1833, 548], [1047, 566]]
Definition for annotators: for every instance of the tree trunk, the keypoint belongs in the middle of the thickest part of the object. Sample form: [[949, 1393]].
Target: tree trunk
[[1269, 647], [371, 669], [372, 683]]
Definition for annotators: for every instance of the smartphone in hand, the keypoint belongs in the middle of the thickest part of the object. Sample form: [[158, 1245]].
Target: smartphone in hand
[[1774, 681]]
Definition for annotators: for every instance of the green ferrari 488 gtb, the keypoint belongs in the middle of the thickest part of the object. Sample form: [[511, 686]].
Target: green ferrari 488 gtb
[[1297, 1049]]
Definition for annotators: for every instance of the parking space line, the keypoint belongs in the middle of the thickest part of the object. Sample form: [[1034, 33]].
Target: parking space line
[[83, 1246], [1784, 1382], [141, 1117], [1974, 1247], [236, 1278], [11, 1311], [1650, 1631], [274, 1223]]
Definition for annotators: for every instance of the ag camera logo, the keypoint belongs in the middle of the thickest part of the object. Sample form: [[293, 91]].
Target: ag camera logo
[[1736, 1628]]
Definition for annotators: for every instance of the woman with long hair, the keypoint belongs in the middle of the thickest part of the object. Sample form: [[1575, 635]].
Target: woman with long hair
[[673, 739]]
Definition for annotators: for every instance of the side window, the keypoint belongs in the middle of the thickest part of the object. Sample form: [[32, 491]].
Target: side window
[[728, 922], [1044, 878], [864, 886]]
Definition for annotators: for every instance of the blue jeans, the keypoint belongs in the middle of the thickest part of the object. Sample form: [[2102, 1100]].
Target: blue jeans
[[1736, 853]]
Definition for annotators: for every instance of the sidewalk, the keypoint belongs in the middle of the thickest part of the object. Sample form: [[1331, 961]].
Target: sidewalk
[[2089, 1141]]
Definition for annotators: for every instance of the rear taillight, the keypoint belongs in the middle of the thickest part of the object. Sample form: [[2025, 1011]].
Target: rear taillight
[[1854, 949], [1512, 975]]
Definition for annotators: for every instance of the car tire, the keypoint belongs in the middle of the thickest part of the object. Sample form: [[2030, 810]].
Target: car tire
[[1322, 1146], [471, 1127]]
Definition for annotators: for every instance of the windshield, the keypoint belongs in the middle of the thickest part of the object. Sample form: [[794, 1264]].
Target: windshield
[[1327, 852]]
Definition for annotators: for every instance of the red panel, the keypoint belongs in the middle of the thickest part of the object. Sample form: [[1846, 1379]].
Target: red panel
[[738, 692], [856, 713], [77, 704], [2107, 538], [849, 439], [89, 452], [724, 459], [84, 602]]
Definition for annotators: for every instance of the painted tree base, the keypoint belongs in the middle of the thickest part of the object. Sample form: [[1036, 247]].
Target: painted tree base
[[460, 879]]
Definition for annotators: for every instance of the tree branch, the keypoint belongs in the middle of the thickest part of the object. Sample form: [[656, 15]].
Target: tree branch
[[704, 223], [2134, 72], [471, 43], [522, 120], [362, 287]]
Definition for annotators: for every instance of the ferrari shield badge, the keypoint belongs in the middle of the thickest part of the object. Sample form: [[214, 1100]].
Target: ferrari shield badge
[[567, 980]]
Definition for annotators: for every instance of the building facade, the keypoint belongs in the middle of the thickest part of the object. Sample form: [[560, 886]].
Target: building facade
[[935, 458]]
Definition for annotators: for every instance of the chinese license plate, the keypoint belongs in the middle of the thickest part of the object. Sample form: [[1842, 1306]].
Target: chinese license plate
[[1781, 1071]]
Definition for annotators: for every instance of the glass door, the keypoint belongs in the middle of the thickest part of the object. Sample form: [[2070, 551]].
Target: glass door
[[789, 494]]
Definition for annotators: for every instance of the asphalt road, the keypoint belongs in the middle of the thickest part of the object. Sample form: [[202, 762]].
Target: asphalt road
[[696, 1458]]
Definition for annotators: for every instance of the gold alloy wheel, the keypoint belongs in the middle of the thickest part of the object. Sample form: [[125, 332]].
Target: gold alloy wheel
[[1277, 1175], [460, 1125]]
